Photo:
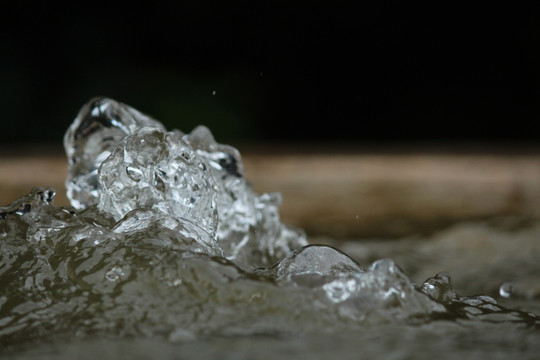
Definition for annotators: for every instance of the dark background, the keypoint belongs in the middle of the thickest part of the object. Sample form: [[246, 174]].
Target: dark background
[[379, 72]]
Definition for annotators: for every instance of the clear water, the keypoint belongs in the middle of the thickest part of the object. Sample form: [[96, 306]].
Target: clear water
[[168, 250]]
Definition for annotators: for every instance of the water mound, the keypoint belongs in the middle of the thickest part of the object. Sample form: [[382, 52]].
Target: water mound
[[166, 238]]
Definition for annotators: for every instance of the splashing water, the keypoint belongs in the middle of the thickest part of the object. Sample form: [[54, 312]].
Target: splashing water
[[166, 240]]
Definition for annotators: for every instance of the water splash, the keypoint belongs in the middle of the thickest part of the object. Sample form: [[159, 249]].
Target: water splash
[[165, 237]]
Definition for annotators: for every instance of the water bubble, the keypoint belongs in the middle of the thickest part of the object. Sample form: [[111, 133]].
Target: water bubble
[[115, 273], [506, 290], [439, 287], [134, 173]]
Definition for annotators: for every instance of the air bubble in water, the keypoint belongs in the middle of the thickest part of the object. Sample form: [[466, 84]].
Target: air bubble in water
[[115, 273], [134, 173]]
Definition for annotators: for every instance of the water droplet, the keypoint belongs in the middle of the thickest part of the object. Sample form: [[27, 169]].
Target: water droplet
[[214, 92], [506, 290]]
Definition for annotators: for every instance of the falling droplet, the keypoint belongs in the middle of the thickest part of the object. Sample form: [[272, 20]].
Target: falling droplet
[[506, 290], [214, 92]]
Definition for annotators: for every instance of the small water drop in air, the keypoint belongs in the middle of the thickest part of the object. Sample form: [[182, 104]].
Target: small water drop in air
[[506, 290]]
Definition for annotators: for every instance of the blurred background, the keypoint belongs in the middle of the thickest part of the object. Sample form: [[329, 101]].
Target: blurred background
[[270, 71]]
